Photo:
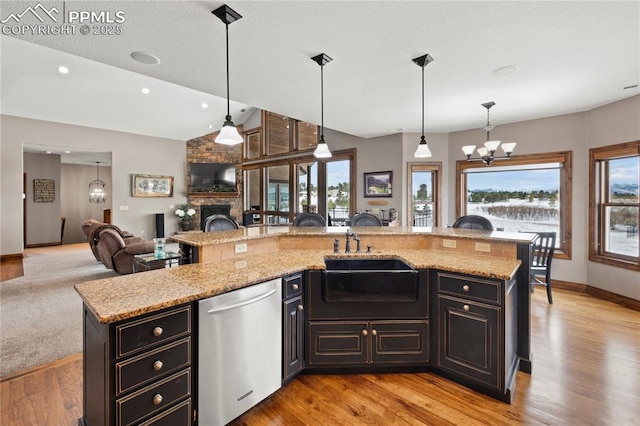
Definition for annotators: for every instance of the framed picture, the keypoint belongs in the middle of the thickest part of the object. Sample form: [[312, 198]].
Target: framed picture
[[378, 184], [151, 186], [44, 191]]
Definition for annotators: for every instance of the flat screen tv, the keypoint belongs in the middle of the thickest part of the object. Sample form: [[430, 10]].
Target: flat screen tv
[[213, 177]]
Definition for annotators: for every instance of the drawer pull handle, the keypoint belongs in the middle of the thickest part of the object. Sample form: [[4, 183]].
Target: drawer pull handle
[[374, 332], [465, 287], [365, 332], [294, 287], [300, 307], [466, 308], [158, 365], [158, 331], [157, 399]]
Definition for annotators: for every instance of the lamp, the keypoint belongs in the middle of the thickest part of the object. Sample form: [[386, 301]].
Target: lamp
[[423, 150], [97, 192], [229, 133], [322, 150], [487, 153]]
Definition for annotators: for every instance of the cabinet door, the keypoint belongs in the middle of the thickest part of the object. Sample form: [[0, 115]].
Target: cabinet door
[[337, 343], [468, 339], [292, 338], [400, 342]]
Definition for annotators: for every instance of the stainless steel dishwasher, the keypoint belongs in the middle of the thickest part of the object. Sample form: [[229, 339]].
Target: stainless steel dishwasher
[[239, 352]]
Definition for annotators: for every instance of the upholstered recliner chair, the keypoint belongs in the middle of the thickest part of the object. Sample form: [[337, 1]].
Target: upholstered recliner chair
[[115, 254], [90, 226]]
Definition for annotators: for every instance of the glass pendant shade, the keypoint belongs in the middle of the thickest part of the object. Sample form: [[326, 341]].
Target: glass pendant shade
[[322, 150], [468, 150], [423, 150], [483, 152], [229, 134], [492, 145], [508, 147], [97, 189]]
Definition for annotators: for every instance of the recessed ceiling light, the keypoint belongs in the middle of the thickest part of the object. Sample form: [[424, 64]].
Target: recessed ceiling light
[[67, 152], [145, 58], [48, 152], [63, 70], [398, 130], [205, 105], [508, 70], [146, 90], [211, 126]]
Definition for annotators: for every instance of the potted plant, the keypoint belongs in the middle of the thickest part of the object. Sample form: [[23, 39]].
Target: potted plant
[[185, 214]]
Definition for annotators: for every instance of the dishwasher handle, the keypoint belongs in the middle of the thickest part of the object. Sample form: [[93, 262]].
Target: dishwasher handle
[[241, 304]]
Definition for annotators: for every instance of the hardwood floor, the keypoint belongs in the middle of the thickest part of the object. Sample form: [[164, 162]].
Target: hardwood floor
[[586, 370]]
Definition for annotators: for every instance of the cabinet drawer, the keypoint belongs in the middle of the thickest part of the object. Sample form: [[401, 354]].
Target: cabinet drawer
[[134, 336], [469, 288], [180, 415], [148, 366], [153, 399], [292, 285]]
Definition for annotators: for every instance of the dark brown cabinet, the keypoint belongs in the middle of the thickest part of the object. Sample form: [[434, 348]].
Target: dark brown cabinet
[[139, 371], [476, 331], [357, 343], [293, 321]]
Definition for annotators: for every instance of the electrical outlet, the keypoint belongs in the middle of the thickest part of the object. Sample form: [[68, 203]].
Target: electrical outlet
[[241, 248], [484, 247], [241, 264], [171, 206], [449, 243]]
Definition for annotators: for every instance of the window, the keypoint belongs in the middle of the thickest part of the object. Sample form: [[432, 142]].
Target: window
[[339, 191], [614, 203], [529, 193], [424, 194]]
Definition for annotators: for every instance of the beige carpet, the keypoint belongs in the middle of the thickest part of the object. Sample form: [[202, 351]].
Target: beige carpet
[[41, 313]]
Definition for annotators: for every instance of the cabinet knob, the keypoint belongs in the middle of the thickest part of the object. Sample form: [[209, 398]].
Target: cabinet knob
[[300, 307], [374, 332], [158, 365], [158, 331], [157, 399], [365, 332], [465, 287], [294, 287], [466, 308]]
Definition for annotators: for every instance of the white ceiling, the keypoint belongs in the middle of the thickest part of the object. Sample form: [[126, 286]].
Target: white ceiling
[[572, 56]]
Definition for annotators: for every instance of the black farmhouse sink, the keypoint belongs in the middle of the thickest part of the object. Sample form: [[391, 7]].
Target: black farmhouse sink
[[369, 280]]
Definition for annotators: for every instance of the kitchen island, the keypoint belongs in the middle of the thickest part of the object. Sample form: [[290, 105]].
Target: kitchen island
[[492, 298]]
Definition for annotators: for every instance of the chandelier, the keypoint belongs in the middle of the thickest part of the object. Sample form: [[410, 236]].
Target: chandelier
[[488, 151], [97, 191]]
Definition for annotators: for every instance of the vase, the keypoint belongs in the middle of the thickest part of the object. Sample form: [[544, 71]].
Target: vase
[[185, 225]]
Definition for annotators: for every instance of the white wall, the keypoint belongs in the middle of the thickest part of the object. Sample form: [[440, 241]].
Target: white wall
[[43, 218], [130, 154]]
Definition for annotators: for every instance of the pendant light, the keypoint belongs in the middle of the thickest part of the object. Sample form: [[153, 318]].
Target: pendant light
[[322, 150], [423, 150], [229, 133], [487, 153], [97, 191]]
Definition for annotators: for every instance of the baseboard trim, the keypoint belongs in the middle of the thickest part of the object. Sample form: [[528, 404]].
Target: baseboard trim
[[599, 293], [57, 243], [11, 266]]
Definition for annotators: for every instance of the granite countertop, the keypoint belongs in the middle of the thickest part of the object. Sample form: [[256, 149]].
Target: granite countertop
[[199, 239], [118, 298]]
